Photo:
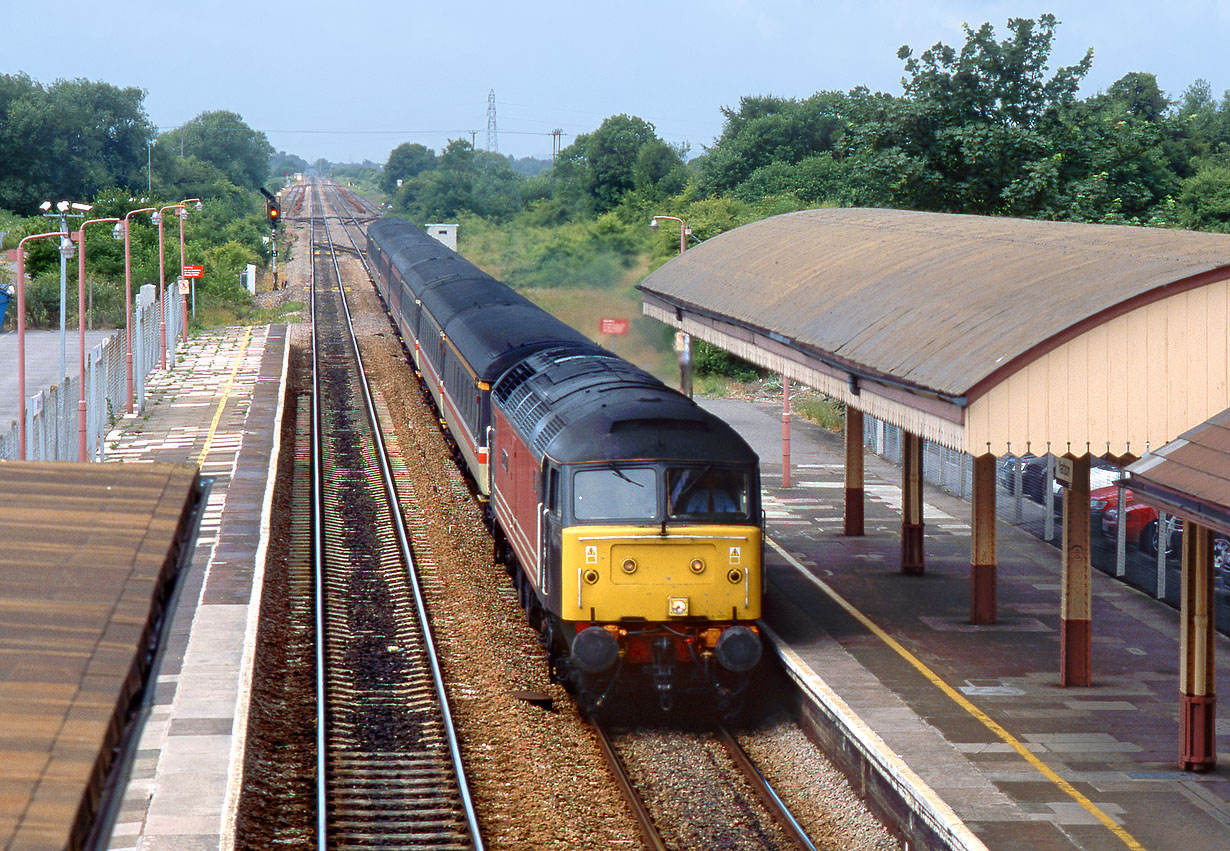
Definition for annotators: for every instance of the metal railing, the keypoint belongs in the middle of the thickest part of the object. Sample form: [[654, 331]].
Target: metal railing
[[52, 421]]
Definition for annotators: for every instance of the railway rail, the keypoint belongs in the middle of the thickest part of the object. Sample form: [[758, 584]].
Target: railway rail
[[389, 768], [761, 820]]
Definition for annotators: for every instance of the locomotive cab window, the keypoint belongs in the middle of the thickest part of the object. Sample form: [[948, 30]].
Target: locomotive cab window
[[629, 493], [707, 492]]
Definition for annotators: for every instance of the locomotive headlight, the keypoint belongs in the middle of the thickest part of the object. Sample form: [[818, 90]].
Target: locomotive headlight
[[591, 576], [629, 565], [698, 566], [735, 576], [677, 607]]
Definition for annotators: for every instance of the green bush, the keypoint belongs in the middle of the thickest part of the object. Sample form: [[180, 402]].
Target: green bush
[[710, 360]]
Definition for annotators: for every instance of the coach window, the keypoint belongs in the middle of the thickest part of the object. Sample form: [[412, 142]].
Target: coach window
[[615, 494]]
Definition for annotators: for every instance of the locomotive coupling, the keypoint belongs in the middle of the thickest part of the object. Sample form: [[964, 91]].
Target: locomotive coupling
[[738, 649], [594, 650]]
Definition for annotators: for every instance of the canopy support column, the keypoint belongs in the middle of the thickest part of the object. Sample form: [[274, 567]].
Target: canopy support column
[[912, 561], [1198, 701], [983, 564], [1075, 617], [852, 523]]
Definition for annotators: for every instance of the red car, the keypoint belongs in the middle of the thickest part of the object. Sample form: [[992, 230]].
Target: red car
[[1141, 519]]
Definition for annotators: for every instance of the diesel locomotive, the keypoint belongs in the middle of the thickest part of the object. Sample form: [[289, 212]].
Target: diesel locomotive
[[628, 516]]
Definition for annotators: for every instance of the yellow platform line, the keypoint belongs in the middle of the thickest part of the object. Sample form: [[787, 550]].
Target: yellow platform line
[[226, 394], [962, 701]]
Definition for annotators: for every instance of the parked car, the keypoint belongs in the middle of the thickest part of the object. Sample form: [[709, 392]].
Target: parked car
[[1033, 475], [1102, 477]]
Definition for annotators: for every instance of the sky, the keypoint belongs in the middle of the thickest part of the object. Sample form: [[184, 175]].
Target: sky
[[349, 81]]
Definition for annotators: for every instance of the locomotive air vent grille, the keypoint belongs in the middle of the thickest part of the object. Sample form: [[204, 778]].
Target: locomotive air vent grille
[[543, 439]]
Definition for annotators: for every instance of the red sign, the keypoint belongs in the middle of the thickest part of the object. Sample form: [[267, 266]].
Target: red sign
[[194, 271], [612, 326]]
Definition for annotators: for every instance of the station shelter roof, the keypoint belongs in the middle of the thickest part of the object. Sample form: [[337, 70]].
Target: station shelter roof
[[983, 334], [1190, 476]]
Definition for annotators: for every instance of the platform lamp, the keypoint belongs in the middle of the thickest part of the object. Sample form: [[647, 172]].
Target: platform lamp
[[183, 214], [685, 340], [123, 230], [81, 406], [21, 336]]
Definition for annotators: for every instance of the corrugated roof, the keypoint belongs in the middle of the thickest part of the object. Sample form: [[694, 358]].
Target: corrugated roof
[[935, 300]]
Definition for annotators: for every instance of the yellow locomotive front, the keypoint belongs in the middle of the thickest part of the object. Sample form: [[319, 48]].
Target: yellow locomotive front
[[660, 576]]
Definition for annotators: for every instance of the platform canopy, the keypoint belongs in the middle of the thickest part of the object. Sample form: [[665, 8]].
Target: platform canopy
[[983, 334]]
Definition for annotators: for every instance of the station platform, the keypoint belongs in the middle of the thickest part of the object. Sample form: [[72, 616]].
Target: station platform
[[969, 722], [220, 410], [89, 554]]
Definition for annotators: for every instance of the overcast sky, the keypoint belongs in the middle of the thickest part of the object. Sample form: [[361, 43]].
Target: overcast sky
[[349, 80]]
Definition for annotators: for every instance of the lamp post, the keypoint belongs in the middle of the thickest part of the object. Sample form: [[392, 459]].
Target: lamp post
[[21, 337], [62, 214], [685, 341], [127, 227], [183, 214], [81, 406]]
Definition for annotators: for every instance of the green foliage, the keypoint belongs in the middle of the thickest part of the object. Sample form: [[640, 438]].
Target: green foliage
[[462, 181], [282, 164], [405, 161], [598, 169], [710, 360], [67, 140], [223, 140], [1204, 201], [825, 412]]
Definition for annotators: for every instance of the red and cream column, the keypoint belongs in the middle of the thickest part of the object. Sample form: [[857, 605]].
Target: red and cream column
[[912, 561], [983, 562], [1076, 606], [852, 523], [1197, 711]]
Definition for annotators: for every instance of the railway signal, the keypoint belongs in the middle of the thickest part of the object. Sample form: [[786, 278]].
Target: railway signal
[[272, 212]]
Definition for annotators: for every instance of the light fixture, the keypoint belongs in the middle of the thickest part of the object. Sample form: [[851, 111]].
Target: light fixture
[[45, 206], [82, 208], [66, 248], [156, 218], [117, 232], [62, 206], [653, 225], [200, 206]]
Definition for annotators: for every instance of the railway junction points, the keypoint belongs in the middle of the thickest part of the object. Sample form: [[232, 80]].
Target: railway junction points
[[962, 727]]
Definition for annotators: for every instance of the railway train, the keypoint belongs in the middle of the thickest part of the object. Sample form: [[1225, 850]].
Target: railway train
[[628, 516]]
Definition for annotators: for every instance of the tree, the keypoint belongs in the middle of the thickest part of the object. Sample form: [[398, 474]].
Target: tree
[[767, 129], [405, 161], [223, 139], [69, 140], [600, 165]]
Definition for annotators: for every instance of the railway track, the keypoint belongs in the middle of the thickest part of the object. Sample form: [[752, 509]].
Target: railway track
[[389, 767], [696, 782]]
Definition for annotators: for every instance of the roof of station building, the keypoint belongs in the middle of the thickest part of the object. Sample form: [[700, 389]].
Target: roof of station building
[[941, 303]]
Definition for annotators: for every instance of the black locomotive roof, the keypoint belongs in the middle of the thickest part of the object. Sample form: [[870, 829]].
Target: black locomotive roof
[[487, 321], [580, 403]]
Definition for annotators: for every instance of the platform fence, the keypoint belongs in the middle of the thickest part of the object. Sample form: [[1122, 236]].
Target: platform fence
[[1147, 560], [52, 420]]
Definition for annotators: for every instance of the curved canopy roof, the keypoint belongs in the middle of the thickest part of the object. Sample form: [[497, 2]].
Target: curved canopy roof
[[931, 305]]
